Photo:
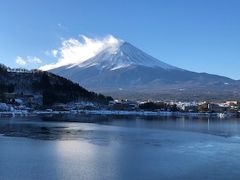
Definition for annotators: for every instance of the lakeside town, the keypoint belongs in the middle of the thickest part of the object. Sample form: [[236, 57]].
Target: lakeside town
[[46, 98], [31, 104]]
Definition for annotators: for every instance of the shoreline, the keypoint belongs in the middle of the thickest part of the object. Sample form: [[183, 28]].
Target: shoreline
[[114, 112]]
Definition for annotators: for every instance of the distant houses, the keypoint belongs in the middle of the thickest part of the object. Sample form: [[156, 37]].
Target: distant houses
[[188, 106], [123, 105], [213, 107], [30, 100]]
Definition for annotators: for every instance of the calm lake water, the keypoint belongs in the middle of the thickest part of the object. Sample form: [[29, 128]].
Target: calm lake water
[[99, 147]]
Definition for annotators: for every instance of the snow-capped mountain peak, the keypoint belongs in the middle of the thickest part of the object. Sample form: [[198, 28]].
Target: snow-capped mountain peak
[[120, 65], [122, 55]]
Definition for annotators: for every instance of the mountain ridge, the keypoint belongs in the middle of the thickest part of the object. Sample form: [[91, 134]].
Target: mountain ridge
[[127, 68]]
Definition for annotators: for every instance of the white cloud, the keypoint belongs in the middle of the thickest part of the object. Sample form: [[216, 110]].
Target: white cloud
[[34, 60], [20, 61], [54, 52], [74, 51], [29, 60]]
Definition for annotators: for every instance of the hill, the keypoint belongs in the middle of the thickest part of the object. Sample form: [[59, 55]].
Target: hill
[[52, 88]]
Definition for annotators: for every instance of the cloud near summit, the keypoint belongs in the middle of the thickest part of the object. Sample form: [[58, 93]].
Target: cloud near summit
[[75, 51]]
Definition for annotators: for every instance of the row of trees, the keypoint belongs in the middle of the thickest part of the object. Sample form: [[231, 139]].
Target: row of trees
[[3, 69], [158, 106]]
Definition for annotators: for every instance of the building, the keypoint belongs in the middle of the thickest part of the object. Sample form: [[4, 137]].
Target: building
[[232, 103], [188, 106], [123, 105], [216, 108]]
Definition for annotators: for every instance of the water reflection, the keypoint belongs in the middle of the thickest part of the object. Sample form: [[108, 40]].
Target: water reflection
[[71, 127], [104, 147]]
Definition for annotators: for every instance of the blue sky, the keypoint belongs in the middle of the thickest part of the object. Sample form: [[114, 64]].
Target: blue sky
[[198, 35]]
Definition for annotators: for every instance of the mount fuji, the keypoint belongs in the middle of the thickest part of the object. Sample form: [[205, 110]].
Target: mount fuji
[[124, 71]]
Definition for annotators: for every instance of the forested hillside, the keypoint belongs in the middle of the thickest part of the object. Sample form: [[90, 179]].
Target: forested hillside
[[53, 88]]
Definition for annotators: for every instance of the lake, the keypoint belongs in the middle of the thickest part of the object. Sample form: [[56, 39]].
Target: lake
[[117, 147]]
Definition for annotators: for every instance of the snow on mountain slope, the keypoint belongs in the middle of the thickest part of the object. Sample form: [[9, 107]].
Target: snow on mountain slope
[[121, 56], [123, 67]]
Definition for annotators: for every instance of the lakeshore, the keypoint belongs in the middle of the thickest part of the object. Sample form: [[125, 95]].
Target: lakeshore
[[115, 112]]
